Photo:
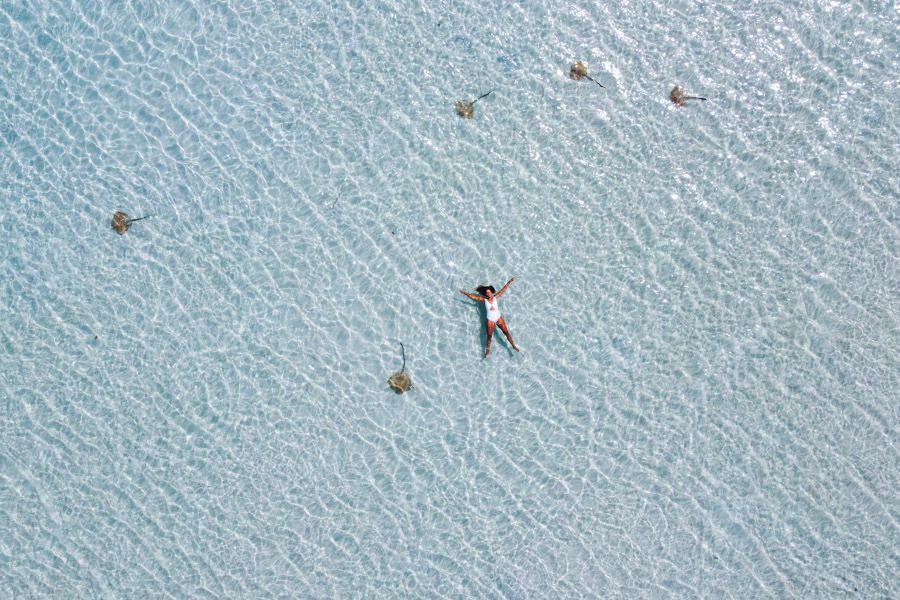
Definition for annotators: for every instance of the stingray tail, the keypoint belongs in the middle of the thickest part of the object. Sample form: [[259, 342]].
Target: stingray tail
[[403, 352], [482, 96], [130, 221], [595, 81], [694, 98]]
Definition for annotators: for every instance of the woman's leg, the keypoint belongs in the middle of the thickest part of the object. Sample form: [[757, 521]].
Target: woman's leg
[[490, 333], [505, 331]]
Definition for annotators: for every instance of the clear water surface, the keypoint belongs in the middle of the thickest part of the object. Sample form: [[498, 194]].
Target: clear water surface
[[706, 298]]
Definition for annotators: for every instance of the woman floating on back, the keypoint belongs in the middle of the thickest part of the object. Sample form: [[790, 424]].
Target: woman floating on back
[[486, 294]]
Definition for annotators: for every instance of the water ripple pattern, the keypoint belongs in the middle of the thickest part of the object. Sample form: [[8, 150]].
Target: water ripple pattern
[[706, 298]]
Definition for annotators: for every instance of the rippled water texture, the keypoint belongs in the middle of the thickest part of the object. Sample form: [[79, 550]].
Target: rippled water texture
[[706, 298]]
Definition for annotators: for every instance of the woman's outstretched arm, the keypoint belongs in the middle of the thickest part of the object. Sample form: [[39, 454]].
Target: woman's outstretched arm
[[474, 297], [506, 285]]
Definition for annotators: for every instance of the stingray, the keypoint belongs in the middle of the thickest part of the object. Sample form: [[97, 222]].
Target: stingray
[[400, 381], [467, 109], [578, 71], [121, 222], [678, 98]]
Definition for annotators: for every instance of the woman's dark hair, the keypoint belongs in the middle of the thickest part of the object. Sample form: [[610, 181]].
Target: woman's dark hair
[[482, 289]]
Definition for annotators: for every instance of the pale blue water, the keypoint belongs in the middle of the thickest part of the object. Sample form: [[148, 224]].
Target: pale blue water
[[706, 405]]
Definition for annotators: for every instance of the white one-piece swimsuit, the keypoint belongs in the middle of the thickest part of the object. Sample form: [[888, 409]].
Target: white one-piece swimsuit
[[493, 313]]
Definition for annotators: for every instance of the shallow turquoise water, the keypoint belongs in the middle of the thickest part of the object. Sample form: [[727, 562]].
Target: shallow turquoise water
[[706, 298]]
